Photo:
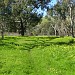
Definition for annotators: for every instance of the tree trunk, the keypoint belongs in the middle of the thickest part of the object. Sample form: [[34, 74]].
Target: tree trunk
[[22, 27], [15, 28], [71, 16], [55, 32], [2, 33], [72, 29]]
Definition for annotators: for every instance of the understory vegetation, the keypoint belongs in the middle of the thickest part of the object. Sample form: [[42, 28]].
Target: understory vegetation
[[37, 55]]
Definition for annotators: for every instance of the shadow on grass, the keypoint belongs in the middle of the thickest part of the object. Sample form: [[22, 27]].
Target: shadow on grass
[[9, 42]]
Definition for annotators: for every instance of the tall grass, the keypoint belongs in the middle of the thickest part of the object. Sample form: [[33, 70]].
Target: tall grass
[[37, 56]]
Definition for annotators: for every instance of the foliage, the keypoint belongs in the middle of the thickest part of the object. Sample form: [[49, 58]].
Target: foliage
[[17, 16]]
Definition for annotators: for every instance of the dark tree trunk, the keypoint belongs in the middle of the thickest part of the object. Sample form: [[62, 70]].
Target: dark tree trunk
[[15, 28], [2, 33], [22, 27], [72, 31]]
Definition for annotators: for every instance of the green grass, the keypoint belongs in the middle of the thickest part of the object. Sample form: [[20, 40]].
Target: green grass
[[63, 40], [37, 56]]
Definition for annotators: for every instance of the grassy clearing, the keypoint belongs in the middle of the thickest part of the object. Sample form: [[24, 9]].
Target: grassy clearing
[[37, 56]]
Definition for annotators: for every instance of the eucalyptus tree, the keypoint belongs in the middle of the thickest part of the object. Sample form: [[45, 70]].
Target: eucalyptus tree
[[22, 13], [4, 11], [71, 9], [63, 11]]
